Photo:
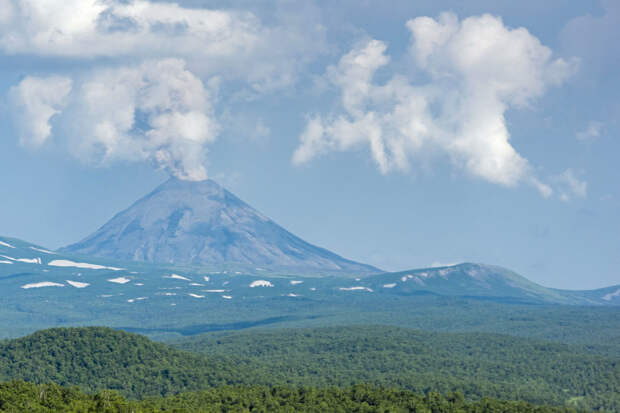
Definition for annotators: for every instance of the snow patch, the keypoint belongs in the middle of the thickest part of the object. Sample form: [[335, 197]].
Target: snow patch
[[177, 277], [26, 260], [42, 250], [30, 260], [261, 283], [67, 263], [42, 284], [392, 285], [77, 284], [608, 297], [4, 244], [119, 280], [358, 288]]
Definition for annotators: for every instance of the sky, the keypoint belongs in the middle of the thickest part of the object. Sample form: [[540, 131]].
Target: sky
[[417, 134]]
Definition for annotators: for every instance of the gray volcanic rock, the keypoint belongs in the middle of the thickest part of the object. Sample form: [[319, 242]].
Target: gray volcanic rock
[[194, 223]]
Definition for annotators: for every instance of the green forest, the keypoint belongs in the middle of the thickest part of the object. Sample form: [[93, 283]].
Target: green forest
[[20, 397], [395, 366], [476, 364]]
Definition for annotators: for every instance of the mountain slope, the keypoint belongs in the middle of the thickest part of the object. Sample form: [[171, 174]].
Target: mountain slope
[[196, 223]]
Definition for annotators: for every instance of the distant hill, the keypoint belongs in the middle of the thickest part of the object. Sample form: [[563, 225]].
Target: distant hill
[[197, 223], [40, 288], [485, 281]]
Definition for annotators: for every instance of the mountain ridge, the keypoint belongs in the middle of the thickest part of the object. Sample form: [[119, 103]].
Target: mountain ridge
[[485, 280]]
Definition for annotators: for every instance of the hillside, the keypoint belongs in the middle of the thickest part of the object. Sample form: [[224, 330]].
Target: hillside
[[101, 358], [197, 223]]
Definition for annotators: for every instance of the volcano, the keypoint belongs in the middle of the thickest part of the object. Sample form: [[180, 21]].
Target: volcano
[[197, 223]]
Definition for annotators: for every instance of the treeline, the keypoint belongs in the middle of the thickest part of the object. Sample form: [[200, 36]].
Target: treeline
[[18, 397]]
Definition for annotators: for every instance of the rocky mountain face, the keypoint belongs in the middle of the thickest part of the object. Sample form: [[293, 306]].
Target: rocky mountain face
[[197, 223]]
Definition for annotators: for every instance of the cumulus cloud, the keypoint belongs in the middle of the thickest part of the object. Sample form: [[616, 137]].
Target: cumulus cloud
[[157, 111], [478, 68], [231, 41], [35, 100]]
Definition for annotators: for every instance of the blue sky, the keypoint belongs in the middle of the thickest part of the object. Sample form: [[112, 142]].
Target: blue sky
[[418, 134]]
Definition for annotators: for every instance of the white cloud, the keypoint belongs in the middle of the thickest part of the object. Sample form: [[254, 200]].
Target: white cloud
[[232, 42], [7, 12], [570, 186], [34, 101], [478, 69], [157, 111], [591, 132], [89, 28]]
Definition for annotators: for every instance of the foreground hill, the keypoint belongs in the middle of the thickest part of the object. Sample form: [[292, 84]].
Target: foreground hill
[[197, 223], [22, 397], [100, 358]]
